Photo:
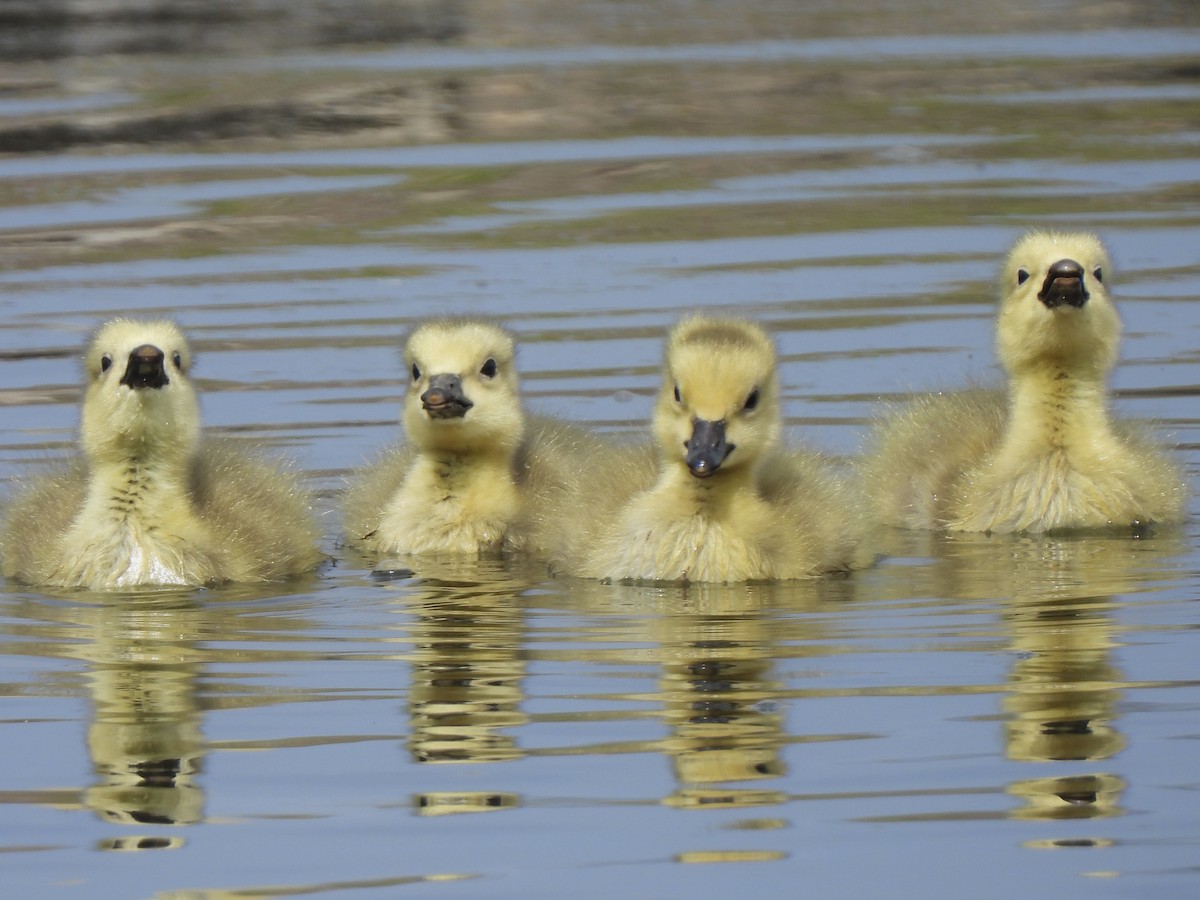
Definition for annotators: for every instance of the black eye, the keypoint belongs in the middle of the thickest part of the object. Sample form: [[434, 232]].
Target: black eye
[[1022, 275], [678, 396], [416, 372], [177, 359], [1099, 273], [488, 369], [752, 400], [105, 363]]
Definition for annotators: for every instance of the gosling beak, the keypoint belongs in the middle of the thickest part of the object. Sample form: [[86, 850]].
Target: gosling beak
[[444, 398], [707, 448], [1064, 285], [145, 368]]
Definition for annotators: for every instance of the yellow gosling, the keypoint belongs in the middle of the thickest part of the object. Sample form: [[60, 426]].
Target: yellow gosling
[[472, 466], [1049, 456], [725, 503], [152, 501]]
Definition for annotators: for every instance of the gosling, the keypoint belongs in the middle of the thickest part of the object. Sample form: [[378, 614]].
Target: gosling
[[472, 468], [725, 503], [152, 501], [1049, 457]]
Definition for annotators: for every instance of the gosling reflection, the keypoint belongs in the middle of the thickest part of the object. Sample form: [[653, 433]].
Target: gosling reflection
[[465, 696], [717, 647], [446, 803], [144, 739], [724, 726], [146, 654], [720, 700], [1068, 797], [1064, 686]]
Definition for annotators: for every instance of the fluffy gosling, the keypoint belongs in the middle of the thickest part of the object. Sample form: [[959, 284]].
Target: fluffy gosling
[[1049, 455], [724, 502], [472, 467], [152, 501]]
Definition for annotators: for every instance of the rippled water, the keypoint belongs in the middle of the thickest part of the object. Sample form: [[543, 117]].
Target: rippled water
[[970, 718]]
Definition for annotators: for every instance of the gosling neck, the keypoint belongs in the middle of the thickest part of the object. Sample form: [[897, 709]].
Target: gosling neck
[[457, 470], [707, 495], [1053, 407], [134, 486]]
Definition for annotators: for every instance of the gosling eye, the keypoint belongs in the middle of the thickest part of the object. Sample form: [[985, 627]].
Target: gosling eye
[[678, 396], [488, 369], [1022, 275], [105, 363], [177, 359], [416, 372], [1099, 274], [752, 400]]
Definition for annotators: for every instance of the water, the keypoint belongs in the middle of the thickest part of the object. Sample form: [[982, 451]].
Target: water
[[970, 718]]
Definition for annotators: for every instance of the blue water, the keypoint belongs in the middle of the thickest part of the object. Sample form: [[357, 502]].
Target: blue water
[[972, 717]]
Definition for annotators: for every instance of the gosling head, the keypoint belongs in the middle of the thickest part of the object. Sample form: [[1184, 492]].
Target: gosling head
[[463, 394], [1054, 307], [139, 402], [718, 408]]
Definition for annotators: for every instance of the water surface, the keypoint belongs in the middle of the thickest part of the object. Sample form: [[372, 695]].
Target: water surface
[[972, 717]]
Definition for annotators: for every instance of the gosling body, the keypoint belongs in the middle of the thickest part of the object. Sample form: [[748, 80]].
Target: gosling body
[[473, 465], [721, 500], [152, 501], [1047, 455]]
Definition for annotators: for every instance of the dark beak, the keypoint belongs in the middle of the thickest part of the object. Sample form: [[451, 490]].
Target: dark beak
[[146, 368], [707, 448], [444, 398], [1064, 285]]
